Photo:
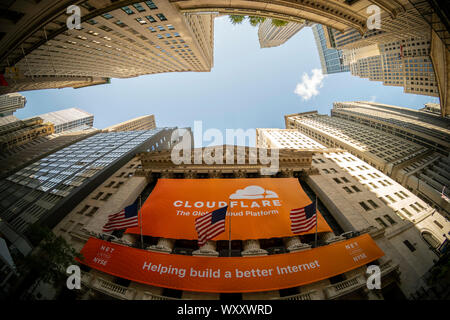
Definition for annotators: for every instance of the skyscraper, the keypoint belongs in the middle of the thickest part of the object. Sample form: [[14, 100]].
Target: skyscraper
[[355, 191], [139, 123], [330, 59], [426, 176], [413, 165], [72, 119], [46, 189], [17, 133], [9, 103], [428, 129], [405, 63], [120, 42], [273, 36]]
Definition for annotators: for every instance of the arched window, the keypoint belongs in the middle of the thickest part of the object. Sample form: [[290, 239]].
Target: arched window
[[430, 239]]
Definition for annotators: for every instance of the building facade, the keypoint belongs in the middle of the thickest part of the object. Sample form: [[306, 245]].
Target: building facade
[[331, 59], [17, 133], [9, 103], [273, 36], [67, 120], [139, 123], [80, 224], [121, 42], [355, 191], [426, 176]]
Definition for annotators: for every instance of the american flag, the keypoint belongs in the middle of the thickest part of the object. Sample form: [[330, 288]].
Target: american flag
[[210, 225], [126, 218], [303, 219]]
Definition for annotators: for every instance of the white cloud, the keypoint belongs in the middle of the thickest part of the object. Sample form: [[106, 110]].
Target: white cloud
[[308, 88], [253, 192]]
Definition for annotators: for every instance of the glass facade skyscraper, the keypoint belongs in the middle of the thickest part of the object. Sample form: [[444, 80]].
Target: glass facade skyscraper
[[331, 59], [48, 188]]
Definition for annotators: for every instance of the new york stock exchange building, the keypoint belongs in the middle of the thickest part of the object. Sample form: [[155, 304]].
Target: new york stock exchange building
[[255, 252]]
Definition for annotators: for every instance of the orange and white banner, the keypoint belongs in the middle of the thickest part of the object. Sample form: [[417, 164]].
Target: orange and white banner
[[258, 208], [230, 274]]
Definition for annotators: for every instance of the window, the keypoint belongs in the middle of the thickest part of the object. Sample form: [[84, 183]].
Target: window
[[364, 206], [161, 17], [170, 27], [152, 29], [106, 197], [348, 190], [356, 189], [98, 196], [141, 21], [127, 10], [373, 204], [337, 180], [138, 7], [345, 179], [438, 224], [83, 210], [107, 16], [407, 212], [150, 18], [381, 222], [409, 245], [389, 219], [151, 5], [93, 210]]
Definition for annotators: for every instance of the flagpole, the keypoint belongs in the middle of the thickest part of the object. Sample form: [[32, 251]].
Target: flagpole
[[229, 237], [315, 240], [140, 213]]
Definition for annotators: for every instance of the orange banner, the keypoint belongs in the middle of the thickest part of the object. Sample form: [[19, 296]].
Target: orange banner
[[234, 274], [258, 208]]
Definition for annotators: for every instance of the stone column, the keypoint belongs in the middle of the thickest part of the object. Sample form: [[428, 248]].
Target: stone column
[[253, 248], [208, 249], [190, 175], [163, 245], [294, 244], [215, 174], [239, 174]]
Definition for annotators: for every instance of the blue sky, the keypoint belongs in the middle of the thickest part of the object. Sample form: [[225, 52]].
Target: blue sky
[[247, 88]]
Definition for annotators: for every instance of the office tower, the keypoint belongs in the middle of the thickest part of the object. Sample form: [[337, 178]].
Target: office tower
[[403, 160], [18, 157], [9, 103], [72, 119], [330, 59], [139, 123], [46, 189], [120, 42], [24, 83], [273, 36], [426, 128], [17, 133], [382, 150], [355, 192], [426, 176], [404, 63]]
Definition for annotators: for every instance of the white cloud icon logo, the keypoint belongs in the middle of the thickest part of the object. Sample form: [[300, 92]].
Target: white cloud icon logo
[[253, 192]]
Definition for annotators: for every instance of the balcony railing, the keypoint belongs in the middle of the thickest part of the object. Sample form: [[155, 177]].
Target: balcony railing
[[152, 296], [113, 289], [310, 295], [342, 288]]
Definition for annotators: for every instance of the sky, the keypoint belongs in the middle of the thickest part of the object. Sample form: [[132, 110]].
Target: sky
[[247, 88]]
